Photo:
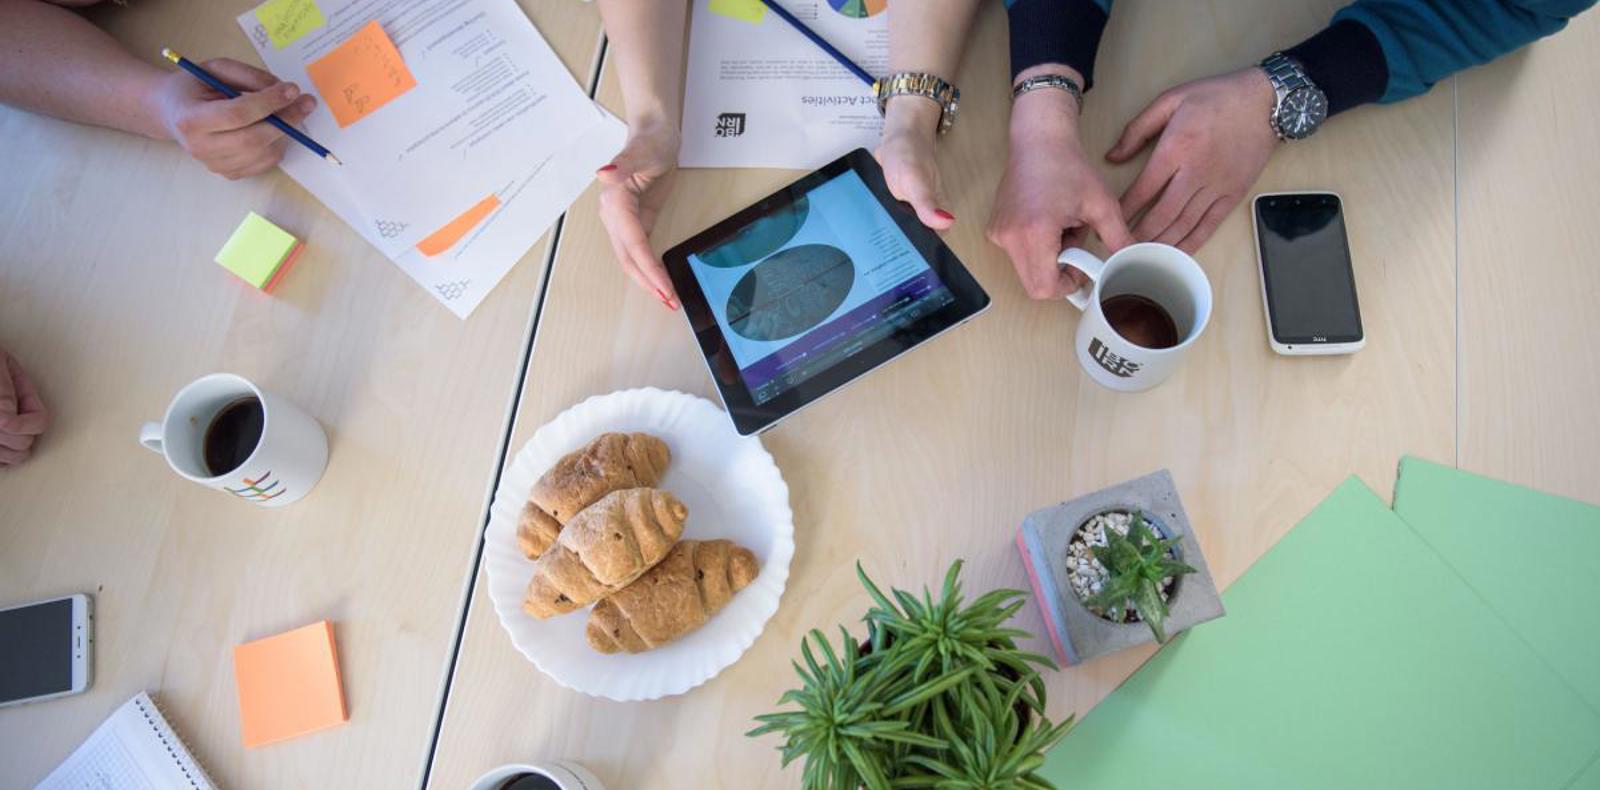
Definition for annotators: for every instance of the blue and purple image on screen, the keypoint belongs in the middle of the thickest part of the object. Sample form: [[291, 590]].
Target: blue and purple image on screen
[[813, 283]]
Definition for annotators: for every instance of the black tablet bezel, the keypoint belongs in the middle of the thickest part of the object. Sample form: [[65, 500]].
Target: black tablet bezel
[[750, 417]]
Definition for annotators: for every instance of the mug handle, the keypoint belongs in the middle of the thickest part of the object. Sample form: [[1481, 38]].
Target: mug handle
[[150, 437], [1084, 261]]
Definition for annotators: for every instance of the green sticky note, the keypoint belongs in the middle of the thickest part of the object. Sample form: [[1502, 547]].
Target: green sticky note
[[287, 20], [1534, 558], [256, 250], [751, 11], [1352, 656]]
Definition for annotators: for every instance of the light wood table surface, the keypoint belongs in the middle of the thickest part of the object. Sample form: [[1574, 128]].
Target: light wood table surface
[[942, 454], [109, 296]]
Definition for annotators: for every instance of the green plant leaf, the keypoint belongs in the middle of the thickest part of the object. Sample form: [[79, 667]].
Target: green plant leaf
[[1152, 609]]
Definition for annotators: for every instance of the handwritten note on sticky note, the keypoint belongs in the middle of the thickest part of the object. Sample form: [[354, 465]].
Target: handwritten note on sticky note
[[447, 236], [743, 10], [361, 75], [287, 20]]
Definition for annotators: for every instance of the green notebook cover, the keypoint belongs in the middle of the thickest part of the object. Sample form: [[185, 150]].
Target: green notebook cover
[[1351, 656], [1534, 558]]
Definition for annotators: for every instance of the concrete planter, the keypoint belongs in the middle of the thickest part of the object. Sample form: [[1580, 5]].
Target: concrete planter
[[1079, 635]]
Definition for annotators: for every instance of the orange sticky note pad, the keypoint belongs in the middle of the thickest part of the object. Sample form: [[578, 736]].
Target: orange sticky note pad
[[361, 75], [288, 684], [447, 236]]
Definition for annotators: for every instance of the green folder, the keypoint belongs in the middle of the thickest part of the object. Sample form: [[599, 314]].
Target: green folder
[[1352, 656]]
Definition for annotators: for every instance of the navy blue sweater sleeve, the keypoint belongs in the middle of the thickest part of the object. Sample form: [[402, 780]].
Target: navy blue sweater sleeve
[[1056, 31], [1390, 50]]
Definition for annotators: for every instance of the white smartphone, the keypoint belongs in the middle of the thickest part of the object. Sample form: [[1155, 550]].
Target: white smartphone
[[1308, 283], [45, 649]]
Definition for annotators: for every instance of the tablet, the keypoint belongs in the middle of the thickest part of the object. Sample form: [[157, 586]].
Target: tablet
[[814, 286]]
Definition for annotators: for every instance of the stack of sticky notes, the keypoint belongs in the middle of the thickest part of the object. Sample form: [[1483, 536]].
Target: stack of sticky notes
[[1446, 643], [288, 684], [259, 252]]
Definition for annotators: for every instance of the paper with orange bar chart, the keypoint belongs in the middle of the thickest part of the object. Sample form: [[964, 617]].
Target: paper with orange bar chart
[[463, 135], [759, 94]]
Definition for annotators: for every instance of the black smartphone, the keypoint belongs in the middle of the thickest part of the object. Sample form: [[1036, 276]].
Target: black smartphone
[[1308, 283]]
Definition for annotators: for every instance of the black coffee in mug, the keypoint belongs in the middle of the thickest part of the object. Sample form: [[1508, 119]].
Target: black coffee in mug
[[529, 782], [1140, 320], [233, 435]]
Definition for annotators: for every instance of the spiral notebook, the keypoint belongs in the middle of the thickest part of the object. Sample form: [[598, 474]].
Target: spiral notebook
[[134, 749]]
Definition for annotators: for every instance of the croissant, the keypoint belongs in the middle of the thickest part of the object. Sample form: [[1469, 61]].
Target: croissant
[[680, 594], [611, 462], [606, 546]]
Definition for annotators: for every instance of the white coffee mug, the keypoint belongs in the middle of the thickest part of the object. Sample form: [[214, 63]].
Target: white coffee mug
[[1158, 272], [287, 461], [560, 773]]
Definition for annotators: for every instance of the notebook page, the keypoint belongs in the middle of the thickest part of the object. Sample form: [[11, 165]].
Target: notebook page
[[133, 749]]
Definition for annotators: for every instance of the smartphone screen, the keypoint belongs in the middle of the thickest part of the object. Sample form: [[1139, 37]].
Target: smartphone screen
[[1305, 268], [36, 650]]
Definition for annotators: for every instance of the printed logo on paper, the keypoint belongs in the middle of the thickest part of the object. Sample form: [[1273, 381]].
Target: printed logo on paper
[[1114, 363], [452, 291], [259, 489], [730, 124], [389, 228]]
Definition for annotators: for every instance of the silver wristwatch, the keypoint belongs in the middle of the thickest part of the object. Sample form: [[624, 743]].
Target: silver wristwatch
[[928, 86], [1301, 106]]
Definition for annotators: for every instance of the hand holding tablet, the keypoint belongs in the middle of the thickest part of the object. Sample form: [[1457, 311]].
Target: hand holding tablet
[[814, 286]]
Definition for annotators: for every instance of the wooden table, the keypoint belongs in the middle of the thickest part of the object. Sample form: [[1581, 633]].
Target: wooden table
[[1471, 214], [109, 296], [1480, 319]]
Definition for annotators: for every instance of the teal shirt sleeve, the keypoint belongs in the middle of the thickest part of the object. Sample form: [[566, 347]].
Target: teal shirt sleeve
[[1391, 50]]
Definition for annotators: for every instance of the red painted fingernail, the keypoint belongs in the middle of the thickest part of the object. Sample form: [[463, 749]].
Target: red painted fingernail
[[942, 214], [662, 295], [606, 169]]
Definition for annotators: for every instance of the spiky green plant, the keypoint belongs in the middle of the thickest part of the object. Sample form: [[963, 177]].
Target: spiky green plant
[[1136, 564], [932, 703]]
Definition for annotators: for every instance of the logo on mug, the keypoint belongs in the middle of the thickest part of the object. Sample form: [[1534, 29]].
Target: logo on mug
[[1114, 363], [730, 124]]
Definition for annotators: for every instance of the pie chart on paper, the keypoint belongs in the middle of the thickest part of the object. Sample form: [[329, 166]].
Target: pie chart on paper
[[860, 9]]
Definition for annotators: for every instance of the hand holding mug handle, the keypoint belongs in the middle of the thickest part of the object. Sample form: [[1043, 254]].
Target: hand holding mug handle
[[1092, 267], [150, 437]]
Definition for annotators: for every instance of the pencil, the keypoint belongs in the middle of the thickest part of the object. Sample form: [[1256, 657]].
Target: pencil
[[820, 41], [223, 88]]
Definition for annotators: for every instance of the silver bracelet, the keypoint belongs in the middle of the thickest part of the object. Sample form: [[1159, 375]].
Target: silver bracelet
[[1056, 81]]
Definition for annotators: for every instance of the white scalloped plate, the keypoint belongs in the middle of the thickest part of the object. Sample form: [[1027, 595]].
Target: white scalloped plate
[[733, 490]]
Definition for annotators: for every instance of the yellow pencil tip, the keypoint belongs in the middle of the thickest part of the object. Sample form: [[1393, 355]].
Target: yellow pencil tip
[[166, 52]]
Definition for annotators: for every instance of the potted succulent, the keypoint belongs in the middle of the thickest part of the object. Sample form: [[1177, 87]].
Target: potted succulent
[[939, 695], [1117, 568]]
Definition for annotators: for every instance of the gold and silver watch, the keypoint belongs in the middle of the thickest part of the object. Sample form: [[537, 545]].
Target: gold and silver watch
[[913, 83]]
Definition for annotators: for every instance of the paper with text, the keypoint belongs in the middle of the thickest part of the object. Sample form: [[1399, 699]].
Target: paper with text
[[360, 75], [760, 94], [285, 21]]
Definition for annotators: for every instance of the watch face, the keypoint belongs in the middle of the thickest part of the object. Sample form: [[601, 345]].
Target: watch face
[[1302, 112]]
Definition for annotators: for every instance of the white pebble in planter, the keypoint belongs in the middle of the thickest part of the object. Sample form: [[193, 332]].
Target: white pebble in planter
[[1055, 548]]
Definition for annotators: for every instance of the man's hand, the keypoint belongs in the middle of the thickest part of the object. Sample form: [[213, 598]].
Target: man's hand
[[1051, 196], [910, 126], [1215, 140], [230, 136], [22, 414], [634, 187]]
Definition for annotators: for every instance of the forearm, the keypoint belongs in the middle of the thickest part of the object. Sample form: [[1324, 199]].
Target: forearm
[[1390, 50], [929, 41], [55, 62], [646, 38]]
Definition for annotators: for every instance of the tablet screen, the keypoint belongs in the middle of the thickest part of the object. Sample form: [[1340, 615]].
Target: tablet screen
[[801, 289]]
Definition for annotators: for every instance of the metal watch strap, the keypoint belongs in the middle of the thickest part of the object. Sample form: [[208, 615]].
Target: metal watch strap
[[915, 83], [1286, 77], [1056, 81]]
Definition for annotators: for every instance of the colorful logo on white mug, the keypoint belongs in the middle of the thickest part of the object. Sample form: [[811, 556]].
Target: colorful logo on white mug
[[259, 490]]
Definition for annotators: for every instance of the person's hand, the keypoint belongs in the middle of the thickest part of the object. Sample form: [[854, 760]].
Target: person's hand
[[1215, 140], [1051, 196], [22, 414], [230, 136], [634, 186], [910, 126]]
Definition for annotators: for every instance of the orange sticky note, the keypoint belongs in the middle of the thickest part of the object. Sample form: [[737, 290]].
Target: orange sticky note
[[361, 75], [288, 684], [447, 236]]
